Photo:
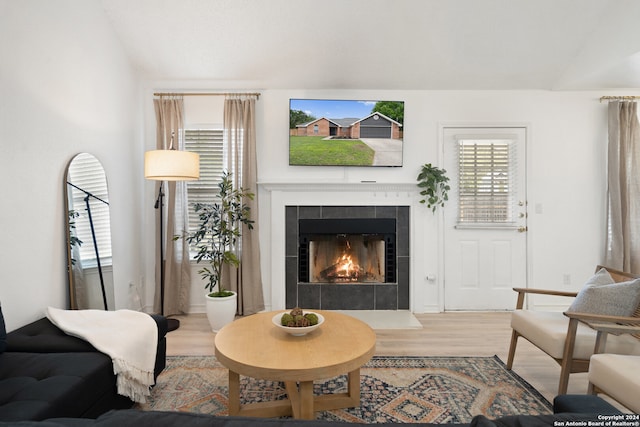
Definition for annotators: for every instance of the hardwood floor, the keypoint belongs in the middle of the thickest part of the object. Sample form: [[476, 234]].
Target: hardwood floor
[[443, 334]]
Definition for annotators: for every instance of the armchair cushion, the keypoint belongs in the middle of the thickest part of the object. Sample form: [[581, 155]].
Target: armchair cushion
[[618, 376], [613, 299], [548, 330]]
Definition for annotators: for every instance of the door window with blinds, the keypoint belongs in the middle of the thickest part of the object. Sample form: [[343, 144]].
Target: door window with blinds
[[487, 181], [209, 144]]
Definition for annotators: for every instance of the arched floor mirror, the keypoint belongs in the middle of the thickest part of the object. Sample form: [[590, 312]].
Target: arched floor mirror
[[89, 257]]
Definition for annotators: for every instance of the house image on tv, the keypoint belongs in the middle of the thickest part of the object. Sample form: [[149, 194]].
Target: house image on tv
[[375, 125]]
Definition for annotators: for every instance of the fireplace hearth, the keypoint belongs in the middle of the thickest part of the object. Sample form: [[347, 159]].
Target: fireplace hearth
[[347, 257]]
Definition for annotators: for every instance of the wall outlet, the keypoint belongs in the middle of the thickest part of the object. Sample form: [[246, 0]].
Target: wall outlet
[[566, 279]]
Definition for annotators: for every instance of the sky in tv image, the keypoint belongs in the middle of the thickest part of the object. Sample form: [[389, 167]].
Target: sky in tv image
[[334, 109]]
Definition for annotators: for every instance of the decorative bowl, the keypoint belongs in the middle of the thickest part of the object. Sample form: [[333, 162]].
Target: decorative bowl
[[297, 331]]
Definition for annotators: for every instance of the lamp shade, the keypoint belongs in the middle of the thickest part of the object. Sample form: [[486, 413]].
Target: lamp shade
[[171, 165]]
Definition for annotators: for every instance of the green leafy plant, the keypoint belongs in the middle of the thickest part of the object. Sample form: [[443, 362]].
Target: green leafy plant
[[218, 231], [73, 238], [433, 184]]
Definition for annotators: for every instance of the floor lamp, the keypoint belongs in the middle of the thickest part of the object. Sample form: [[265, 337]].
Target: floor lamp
[[169, 165]]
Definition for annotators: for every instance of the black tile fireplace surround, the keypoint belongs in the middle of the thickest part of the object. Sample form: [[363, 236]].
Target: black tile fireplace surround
[[347, 296]]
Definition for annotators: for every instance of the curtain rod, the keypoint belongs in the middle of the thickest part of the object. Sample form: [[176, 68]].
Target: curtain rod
[[256, 94], [621, 97]]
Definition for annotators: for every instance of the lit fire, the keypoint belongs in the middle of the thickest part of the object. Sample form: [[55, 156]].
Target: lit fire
[[345, 264], [345, 268]]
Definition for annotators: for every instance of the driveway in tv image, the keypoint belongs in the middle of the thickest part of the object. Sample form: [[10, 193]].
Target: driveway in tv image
[[388, 152]]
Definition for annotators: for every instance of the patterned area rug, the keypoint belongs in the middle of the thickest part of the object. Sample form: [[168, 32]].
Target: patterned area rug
[[393, 389]]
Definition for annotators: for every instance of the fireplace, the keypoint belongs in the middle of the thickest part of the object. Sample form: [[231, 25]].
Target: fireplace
[[347, 257], [347, 250]]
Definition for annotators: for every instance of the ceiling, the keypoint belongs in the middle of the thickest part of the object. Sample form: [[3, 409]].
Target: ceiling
[[384, 44]]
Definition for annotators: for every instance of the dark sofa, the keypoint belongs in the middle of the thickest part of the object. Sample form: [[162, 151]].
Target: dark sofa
[[135, 418], [45, 373], [50, 379], [569, 410]]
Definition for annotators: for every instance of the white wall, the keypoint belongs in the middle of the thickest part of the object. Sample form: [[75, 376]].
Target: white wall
[[566, 174], [65, 87]]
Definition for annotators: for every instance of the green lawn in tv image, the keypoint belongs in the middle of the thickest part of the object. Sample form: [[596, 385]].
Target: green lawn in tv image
[[317, 150]]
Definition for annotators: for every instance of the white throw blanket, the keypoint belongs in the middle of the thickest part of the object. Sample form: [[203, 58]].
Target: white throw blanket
[[129, 337]]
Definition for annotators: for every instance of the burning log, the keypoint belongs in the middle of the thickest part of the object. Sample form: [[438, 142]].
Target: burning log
[[333, 272], [343, 269]]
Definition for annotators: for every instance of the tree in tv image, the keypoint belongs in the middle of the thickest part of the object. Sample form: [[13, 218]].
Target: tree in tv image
[[326, 132]]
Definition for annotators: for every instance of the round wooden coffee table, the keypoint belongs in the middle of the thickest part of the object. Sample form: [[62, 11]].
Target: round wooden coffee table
[[253, 346]]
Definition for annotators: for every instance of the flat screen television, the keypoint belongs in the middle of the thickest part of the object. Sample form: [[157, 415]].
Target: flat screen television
[[330, 132]]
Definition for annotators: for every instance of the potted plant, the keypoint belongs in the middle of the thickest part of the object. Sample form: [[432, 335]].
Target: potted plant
[[216, 240], [434, 188]]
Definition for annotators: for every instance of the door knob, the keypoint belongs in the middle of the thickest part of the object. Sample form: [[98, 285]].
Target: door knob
[[522, 229]]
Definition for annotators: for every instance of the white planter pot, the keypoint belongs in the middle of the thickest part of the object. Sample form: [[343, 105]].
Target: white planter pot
[[221, 310]]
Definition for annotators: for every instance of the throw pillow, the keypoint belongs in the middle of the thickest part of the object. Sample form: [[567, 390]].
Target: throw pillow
[[3, 333], [602, 277], [599, 296]]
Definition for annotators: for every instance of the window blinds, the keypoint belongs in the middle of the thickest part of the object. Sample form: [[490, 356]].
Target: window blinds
[[209, 144], [487, 180]]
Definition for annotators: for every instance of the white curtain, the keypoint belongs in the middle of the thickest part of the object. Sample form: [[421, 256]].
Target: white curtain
[[177, 271], [240, 134], [623, 207]]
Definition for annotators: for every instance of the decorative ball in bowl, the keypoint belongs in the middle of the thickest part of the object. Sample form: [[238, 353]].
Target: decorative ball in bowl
[[314, 320]]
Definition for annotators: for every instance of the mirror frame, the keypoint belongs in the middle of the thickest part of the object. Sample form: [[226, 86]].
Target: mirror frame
[[73, 299]]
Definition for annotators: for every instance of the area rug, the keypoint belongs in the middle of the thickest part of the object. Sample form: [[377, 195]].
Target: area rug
[[393, 389]]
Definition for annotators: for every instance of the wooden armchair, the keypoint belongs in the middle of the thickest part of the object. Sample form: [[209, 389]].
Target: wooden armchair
[[616, 375], [563, 336]]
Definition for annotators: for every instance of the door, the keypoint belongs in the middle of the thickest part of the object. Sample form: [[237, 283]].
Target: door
[[485, 221]]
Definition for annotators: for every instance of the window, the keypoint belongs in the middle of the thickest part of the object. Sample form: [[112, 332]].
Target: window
[[87, 175], [486, 178], [216, 150], [209, 143]]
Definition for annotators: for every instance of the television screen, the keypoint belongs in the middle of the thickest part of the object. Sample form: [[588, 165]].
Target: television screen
[[327, 132]]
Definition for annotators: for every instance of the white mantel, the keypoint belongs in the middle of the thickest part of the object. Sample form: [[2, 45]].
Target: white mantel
[[275, 196], [361, 187]]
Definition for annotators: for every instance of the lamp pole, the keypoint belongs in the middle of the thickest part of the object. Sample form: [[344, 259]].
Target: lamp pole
[[172, 324], [169, 165]]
